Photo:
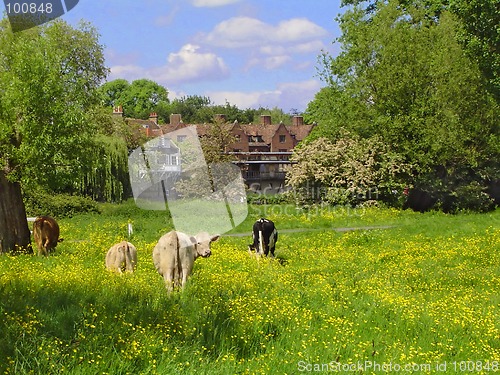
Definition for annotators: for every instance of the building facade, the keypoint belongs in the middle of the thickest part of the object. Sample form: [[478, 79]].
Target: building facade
[[262, 151]]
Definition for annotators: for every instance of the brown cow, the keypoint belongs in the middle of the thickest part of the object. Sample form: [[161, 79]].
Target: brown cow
[[46, 234]]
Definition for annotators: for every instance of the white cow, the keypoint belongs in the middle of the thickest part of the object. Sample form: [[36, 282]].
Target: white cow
[[175, 253], [122, 257]]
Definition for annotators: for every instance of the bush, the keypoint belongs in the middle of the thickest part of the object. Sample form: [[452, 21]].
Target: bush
[[348, 171], [57, 205], [471, 197]]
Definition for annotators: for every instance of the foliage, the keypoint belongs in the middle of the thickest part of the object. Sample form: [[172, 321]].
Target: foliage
[[57, 205], [200, 181], [48, 81], [118, 127], [107, 179], [471, 196], [422, 292], [481, 37], [138, 99], [479, 33], [347, 171], [404, 77], [195, 109]]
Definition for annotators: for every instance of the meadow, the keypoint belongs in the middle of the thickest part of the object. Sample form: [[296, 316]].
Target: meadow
[[405, 292]]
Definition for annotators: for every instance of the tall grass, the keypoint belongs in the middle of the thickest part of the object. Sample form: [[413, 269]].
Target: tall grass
[[424, 290]]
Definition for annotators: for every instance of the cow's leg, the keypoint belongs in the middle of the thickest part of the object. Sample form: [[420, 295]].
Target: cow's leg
[[183, 278], [261, 243], [184, 272], [169, 279], [42, 250]]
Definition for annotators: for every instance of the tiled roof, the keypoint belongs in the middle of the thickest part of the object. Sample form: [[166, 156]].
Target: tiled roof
[[266, 132]]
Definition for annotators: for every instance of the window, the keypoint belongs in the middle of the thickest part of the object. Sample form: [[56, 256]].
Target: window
[[282, 138], [173, 159], [181, 138]]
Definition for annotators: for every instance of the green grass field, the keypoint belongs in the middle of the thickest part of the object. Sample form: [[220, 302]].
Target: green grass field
[[420, 295]]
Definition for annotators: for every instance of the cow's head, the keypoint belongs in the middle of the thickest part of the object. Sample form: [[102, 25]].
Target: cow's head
[[202, 243]]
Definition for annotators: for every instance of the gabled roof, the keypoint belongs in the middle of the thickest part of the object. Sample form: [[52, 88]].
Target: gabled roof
[[267, 132], [143, 123], [300, 131]]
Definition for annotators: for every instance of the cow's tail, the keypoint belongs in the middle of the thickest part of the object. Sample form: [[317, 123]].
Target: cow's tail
[[178, 264], [129, 263], [261, 241]]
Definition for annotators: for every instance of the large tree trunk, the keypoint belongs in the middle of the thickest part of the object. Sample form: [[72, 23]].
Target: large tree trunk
[[14, 231]]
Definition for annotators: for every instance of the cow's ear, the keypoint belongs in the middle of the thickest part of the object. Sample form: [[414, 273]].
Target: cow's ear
[[214, 238], [193, 240]]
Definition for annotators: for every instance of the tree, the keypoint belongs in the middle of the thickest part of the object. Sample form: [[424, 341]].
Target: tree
[[214, 145], [405, 77], [347, 171], [189, 108], [480, 35], [478, 31], [49, 77], [113, 91], [138, 99]]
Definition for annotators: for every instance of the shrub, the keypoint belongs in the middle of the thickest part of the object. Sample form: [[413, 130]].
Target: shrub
[[470, 197], [349, 170], [57, 205]]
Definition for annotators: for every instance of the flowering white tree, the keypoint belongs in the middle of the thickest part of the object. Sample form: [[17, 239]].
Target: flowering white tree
[[347, 171]]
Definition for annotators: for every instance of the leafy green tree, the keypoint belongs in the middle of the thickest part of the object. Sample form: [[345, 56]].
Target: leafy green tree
[[113, 91], [478, 30], [189, 107], [277, 115], [49, 77], [405, 77], [195, 109], [481, 36], [138, 99]]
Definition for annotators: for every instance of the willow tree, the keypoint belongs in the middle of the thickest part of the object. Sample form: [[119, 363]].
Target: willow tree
[[49, 77]]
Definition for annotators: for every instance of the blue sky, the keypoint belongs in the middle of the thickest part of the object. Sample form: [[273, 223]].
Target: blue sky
[[250, 53]]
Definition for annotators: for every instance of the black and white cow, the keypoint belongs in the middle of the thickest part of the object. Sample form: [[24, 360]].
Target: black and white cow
[[264, 236]]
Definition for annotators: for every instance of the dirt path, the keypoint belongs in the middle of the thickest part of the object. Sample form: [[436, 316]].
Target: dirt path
[[300, 230]]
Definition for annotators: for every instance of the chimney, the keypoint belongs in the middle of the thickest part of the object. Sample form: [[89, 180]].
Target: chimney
[[118, 111], [153, 116], [220, 118], [265, 119], [175, 119], [297, 120]]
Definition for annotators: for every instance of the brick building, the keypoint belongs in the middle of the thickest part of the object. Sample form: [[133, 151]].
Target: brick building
[[262, 151]]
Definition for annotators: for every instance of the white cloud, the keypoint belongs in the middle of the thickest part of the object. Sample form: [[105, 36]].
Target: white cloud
[[212, 3], [238, 32], [186, 65], [267, 46], [286, 96], [240, 99], [269, 63], [168, 18], [123, 71]]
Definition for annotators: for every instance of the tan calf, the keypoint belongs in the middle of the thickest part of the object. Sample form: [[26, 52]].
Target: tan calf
[[122, 257]]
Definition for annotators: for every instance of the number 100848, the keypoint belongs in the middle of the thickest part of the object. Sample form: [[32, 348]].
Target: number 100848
[[29, 8]]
